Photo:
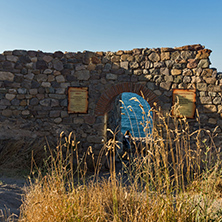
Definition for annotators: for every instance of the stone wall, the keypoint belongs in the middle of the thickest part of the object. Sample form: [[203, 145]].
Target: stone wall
[[33, 88]]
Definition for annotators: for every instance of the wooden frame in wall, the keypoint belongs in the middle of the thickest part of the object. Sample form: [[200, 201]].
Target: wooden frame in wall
[[184, 102], [78, 100]]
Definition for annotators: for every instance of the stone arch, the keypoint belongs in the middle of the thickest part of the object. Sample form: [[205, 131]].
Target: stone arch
[[104, 103]]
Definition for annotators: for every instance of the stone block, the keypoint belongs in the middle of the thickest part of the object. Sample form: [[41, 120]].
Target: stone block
[[110, 76], [210, 108], [6, 76], [45, 102], [58, 120], [54, 113], [25, 112], [203, 63], [10, 96], [165, 56], [206, 100], [46, 84], [7, 113], [154, 57], [202, 86], [176, 72], [60, 78], [22, 91], [57, 65], [217, 100], [165, 85], [82, 74], [124, 65]]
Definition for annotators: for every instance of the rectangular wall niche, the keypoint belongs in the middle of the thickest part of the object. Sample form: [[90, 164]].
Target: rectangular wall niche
[[77, 99], [184, 102]]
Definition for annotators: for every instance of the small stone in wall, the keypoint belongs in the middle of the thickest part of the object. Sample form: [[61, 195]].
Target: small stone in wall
[[202, 86], [210, 108], [165, 85], [60, 78], [58, 120], [187, 72], [217, 100], [25, 112], [7, 113], [47, 58], [6, 76], [10, 96], [110, 76], [82, 74], [186, 79], [165, 56], [203, 54], [154, 57], [58, 65], [192, 63], [204, 63], [176, 72], [212, 121], [22, 91]]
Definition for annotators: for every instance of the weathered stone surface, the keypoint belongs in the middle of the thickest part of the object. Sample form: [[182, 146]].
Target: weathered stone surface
[[95, 60], [176, 72], [45, 102], [57, 65], [58, 120], [41, 77], [154, 57], [82, 75], [6, 76], [202, 86], [138, 72], [210, 108], [186, 79], [203, 54], [217, 100], [124, 65], [22, 91], [165, 56], [94, 139], [40, 64], [54, 113], [192, 63], [36, 88], [204, 63], [165, 85], [207, 73], [46, 84], [187, 72], [168, 78], [12, 58], [110, 76], [25, 112], [206, 100], [60, 79], [187, 55], [34, 102], [47, 58], [10, 96], [7, 112]]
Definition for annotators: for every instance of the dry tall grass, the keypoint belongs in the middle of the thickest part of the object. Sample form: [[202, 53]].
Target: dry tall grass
[[175, 175]]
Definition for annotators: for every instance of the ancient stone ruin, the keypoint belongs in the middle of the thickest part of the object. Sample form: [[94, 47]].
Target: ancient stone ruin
[[34, 85]]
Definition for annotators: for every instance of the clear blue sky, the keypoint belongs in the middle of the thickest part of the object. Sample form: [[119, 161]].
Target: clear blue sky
[[111, 25]]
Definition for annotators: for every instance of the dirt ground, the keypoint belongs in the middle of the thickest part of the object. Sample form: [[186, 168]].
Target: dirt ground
[[12, 187]]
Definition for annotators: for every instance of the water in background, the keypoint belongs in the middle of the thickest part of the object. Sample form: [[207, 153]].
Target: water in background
[[133, 118]]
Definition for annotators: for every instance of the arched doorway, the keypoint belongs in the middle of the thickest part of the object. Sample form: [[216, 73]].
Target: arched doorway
[[107, 104], [136, 115]]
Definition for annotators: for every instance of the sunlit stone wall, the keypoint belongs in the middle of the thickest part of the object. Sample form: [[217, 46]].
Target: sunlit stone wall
[[34, 84]]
